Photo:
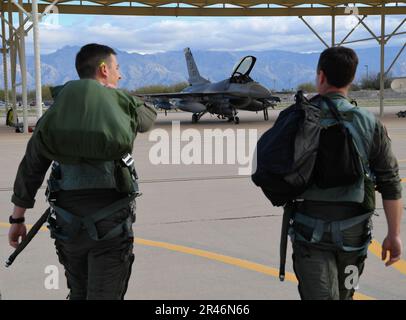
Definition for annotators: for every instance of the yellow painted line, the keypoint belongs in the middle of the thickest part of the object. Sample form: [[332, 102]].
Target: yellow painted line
[[403, 180], [29, 226], [244, 264], [376, 249]]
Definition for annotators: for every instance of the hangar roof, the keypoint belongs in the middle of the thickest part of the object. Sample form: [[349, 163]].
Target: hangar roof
[[221, 8]]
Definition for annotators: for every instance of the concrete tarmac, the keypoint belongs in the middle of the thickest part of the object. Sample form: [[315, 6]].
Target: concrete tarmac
[[203, 231]]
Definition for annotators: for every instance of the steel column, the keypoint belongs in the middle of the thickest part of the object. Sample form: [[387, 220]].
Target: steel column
[[23, 68], [382, 72], [37, 58]]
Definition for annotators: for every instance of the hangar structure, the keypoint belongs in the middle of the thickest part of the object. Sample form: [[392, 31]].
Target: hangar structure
[[30, 13]]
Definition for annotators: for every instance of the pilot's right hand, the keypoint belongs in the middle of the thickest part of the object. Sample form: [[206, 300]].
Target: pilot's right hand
[[16, 231], [393, 244]]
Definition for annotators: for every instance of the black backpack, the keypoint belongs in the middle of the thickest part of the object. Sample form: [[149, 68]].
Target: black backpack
[[286, 153], [297, 152], [338, 162]]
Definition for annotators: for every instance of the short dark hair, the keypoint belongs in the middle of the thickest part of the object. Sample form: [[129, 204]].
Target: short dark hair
[[339, 64], [89, 58]]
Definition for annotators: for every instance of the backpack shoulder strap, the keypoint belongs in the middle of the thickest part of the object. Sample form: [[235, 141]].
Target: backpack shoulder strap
[[333, 109]]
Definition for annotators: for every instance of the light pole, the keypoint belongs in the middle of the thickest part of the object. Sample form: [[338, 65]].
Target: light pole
[[366, 66]]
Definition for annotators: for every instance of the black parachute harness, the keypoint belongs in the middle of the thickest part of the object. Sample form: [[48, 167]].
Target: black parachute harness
[[292, 214], [335, 228], [74, 223], [319, 228]]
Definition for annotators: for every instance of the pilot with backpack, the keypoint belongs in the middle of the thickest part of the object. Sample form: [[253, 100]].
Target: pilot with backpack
[[323, 160], [87, 136]]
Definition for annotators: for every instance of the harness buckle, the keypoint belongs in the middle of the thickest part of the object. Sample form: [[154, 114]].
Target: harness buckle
[[128, 160], [51, 191]]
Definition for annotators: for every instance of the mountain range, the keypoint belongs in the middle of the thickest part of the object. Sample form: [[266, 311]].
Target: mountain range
[[275, 69]]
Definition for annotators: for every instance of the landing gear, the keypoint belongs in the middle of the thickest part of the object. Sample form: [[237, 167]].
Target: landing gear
[[401, 114], [266, 115], [196, 116], [234, 117]]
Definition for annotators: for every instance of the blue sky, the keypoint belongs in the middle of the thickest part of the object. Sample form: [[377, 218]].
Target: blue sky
[[156, 34]]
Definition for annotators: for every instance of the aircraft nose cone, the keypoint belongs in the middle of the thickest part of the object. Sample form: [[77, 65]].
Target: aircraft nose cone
[[259, 91]]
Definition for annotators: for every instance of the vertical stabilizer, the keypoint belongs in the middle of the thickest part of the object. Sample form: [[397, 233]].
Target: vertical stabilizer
[[194, 75]]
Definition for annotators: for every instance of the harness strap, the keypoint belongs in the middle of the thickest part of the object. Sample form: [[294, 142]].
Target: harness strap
[[89, 222], [335, 227], [287, 214], [317, 231], [343, 224]]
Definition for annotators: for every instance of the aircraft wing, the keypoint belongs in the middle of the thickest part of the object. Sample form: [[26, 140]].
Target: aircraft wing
[[182, 95], [191, 95]]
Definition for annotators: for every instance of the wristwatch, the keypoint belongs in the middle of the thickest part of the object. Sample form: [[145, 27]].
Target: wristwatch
[[12, 220]]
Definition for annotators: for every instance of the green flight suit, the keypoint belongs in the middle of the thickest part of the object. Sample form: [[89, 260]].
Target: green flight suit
[[94, 269], [325, 271]]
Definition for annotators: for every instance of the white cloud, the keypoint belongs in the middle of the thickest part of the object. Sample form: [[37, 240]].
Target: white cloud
[[154, 34]]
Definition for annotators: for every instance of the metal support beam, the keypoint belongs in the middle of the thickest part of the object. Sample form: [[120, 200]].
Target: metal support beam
[[47, 10], [21, 8], [368, 29], [314, 31], [23, 68], [13, 71], [368, 39], [353, 29], [333, 30], [3, 19], [216, 11], [382, 72], [394, 31], [16, 30], [396, 58], [13, 61], [37, 58], [29, 28], [23, 25], [5, 67]]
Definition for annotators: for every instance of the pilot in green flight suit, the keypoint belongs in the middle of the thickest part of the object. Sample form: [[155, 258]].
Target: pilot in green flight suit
[[93, 183], [331, 228]]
